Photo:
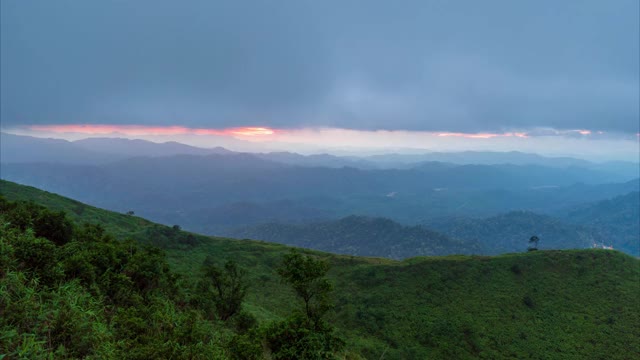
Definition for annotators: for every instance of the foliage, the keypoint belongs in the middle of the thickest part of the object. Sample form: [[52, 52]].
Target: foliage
[[294, 339], [306, 335], [75, 292], [306, 276], [584, 302], [222, 289], [533, 243]]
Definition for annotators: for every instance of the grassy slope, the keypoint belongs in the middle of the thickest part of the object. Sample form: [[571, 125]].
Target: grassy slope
[[120, 225], [547, 304]]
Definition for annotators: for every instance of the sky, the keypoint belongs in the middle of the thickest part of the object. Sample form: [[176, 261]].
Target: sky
[[559, 77]]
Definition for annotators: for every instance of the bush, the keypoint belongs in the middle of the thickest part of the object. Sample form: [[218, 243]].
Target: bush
[[293, 339], [38, 256], [527, 300], [515, 268]]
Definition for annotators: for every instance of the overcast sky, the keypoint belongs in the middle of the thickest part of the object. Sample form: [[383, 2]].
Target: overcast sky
[[438, 66]]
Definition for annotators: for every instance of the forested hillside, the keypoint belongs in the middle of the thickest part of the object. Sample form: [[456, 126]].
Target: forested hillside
[[574, 304], [362, 236], [72, 290]]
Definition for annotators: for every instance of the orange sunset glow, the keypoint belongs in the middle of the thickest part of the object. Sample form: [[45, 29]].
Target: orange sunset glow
[[483, 135], [96, 129]]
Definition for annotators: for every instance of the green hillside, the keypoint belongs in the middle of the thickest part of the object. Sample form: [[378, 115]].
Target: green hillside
[[575, 304], [120, 225]]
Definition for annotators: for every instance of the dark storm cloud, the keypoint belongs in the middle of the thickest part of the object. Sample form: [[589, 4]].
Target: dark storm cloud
[[414, 65]]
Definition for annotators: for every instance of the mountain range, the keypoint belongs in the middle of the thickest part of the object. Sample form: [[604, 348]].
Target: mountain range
[[220, 192], [180, 188], [20, 148]]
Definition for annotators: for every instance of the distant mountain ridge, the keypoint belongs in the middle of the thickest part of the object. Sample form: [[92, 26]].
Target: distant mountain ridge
[[136, 147], [27, 149], [90, 151], [318, 160], [19, 148], [176, 187], [479, 158], [213, 190]]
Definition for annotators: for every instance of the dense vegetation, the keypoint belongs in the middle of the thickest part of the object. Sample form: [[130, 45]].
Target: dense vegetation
[[576, 304], [71, 291], [361, 236]]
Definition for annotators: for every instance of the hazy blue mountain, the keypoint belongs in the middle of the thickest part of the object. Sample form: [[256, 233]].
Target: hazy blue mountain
[[241, 177], [621, 168], [218, 220], [28, 149], [510, 232], [188, 185], [509, 176], [510, 157], [20, 149], [617, 219], [361, 236], [317, 160], [136, 147], [476, 157], [412, 208]]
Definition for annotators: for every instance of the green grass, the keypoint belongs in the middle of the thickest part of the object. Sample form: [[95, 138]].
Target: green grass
[[571, 304], [120, 225]]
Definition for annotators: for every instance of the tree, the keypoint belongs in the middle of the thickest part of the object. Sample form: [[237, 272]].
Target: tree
[[53, 225], [533, 240], [306, 275], [222, 288], [305, 335]]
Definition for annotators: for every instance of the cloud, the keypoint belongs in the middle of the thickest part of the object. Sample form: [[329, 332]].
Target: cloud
[[459, 67]]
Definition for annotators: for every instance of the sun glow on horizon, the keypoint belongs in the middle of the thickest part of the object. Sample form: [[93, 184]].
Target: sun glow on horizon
[[139, 130], [483, 135], [252, 131], [311, 140], [259, 133]]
